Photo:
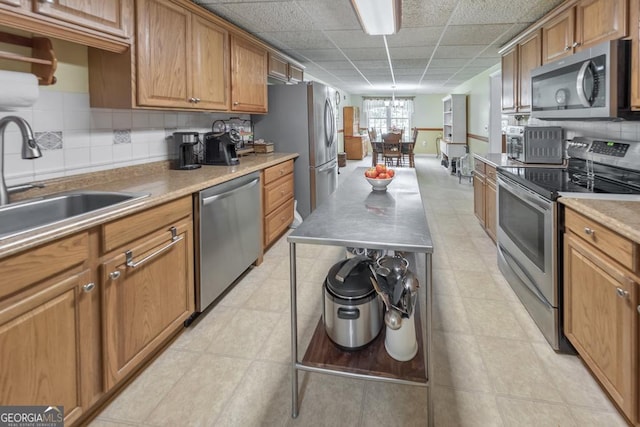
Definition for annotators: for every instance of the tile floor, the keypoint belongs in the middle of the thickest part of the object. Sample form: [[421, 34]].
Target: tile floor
[[492, 365]]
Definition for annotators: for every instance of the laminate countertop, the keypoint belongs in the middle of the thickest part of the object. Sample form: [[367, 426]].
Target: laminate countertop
[[161, 183], [621, 216]]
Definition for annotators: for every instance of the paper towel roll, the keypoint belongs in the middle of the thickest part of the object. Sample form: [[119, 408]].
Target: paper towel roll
[[17, 89]]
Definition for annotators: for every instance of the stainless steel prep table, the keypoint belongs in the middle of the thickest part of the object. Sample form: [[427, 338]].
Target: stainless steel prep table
[[356, 216]]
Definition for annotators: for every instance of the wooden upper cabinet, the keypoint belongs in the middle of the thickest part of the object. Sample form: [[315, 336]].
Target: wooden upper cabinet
[[104, 15], [510, 80], [12, 2], [600, 20], [296, 74], [183, 59], [248, 76], [529, 57], [164, 66], [634, 19], [278, 68], [558, 36], [210, 70]]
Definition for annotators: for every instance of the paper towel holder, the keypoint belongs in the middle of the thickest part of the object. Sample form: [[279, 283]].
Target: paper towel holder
[[43, 60]]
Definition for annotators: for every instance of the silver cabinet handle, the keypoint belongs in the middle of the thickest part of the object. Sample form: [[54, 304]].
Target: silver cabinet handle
[[114, 275], [133, 264], [566, 48], [89, 287], [196, 100], [576, 44], [236, 103], [639, 309], [622, 293], [589, 231], [192, 99]]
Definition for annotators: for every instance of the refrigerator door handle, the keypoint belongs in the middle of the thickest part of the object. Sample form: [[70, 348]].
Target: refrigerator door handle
[[329, 166], [329, 122]]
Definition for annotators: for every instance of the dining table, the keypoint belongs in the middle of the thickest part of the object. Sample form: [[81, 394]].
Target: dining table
[[407, 148]]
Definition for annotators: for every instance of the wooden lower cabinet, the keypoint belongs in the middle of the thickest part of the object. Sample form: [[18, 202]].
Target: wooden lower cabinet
[[277, 196], [46, 345], [484, 196], [600, 316], [356, 147], [148, 294]]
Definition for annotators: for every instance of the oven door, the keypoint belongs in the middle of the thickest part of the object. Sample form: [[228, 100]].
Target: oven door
[[526, 237]]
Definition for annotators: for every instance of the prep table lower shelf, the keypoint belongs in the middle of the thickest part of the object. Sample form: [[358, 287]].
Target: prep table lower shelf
[[372, 360]]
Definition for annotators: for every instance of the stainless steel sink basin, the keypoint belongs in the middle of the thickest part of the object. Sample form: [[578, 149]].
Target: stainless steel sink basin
[[26, 216]]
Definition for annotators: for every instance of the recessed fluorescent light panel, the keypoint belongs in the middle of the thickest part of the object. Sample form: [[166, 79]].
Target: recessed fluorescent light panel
[[379, 17]]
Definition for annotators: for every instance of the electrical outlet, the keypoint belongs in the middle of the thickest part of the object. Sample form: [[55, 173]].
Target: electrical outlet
[[424, 143]]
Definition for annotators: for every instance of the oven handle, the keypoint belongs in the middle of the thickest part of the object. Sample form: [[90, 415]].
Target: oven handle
[[520, 272], [524, 193]]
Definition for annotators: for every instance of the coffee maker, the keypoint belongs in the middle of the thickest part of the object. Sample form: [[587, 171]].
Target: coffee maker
[[219, 149], [187, 158]]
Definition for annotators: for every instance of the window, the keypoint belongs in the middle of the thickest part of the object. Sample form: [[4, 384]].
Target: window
[[386, 114]]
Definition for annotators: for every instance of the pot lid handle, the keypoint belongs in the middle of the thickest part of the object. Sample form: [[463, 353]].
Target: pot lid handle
[[346, 268]]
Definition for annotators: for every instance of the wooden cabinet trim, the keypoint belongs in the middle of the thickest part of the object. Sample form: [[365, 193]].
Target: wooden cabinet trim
[[278, 68], [274, 172], [278, 192]]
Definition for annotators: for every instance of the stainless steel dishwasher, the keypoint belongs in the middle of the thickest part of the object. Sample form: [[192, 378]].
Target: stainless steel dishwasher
[[228, 235]]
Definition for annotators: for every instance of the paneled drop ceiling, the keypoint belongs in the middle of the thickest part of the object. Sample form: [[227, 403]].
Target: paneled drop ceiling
[[441, 44]]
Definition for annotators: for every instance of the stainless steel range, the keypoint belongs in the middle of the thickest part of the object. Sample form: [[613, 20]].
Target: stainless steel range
[[530, 225]]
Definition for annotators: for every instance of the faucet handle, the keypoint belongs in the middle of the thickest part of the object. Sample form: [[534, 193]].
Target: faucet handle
[[23, 187]]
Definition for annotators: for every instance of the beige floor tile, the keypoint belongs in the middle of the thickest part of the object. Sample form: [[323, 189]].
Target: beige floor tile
[[573, 380], [504, 287], [309, 298], [240, 292], [327, 400], [531, 330], [270, 295], [444, 282], [245, 333], [202, 393], [586, 417], [207, 327], [514, 369], [525, 413], [455, 408], [493, 318], [449, 314], [141, 397], [394, 405], [100, 422], [474, 284], [277, 348], [466, 260], [457, 363], [262, 398]]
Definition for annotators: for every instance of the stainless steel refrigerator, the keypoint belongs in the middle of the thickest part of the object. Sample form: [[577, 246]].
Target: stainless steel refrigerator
[[302, 119]]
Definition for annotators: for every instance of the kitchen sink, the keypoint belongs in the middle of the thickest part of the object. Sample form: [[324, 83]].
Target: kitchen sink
[[22, 217]]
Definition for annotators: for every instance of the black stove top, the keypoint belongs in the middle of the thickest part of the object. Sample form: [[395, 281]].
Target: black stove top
[[549, 182]]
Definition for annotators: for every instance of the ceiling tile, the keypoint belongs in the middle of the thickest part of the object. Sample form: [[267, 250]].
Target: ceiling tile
[[473, 34], [271, 16], [331, 14], [421, 13], [298, 39], [500, 11]]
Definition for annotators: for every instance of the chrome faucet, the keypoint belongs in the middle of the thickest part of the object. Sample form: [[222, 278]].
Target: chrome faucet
[[30, 149]]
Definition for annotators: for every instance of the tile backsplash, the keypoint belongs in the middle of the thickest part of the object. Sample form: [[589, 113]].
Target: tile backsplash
[[75, 138], [619, 130]]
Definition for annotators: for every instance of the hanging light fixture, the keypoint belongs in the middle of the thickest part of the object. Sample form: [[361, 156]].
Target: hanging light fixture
[[379, 17]]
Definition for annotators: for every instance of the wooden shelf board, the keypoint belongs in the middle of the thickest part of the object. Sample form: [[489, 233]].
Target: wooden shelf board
[[371, 360]]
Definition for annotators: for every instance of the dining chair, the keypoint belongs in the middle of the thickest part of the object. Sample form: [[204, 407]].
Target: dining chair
[[391, 148], [376, 146], [407, 149]]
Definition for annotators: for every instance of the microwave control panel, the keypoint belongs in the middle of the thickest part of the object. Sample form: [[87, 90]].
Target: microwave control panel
[[609, 148]]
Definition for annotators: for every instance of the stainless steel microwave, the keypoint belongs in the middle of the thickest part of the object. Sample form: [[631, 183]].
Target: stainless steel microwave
[[593, 84]]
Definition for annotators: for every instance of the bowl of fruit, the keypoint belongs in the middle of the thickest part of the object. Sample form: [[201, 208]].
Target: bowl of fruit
[[379, 177]]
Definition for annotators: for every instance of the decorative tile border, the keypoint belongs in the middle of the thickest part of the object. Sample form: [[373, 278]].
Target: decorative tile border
[[122, 136], [49, 140]]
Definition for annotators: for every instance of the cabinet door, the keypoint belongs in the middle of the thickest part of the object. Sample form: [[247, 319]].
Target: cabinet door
[[490, 218], [478, 197], [634, 32], [163, 67], [278, 68], [210, 55], [11, 2], [600, 317], [600, 20], [296, 74], [529, 57], [509, 80], [248, 76], [146, 304], [104, 15], [557, 36], [42, 347]]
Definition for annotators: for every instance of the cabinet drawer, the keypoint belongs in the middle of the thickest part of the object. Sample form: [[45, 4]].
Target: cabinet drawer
[[490, 171], [277, 192], [128, 229], [277, 221], [37, 264], [479, 166], [275, 172], [607, 241]]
